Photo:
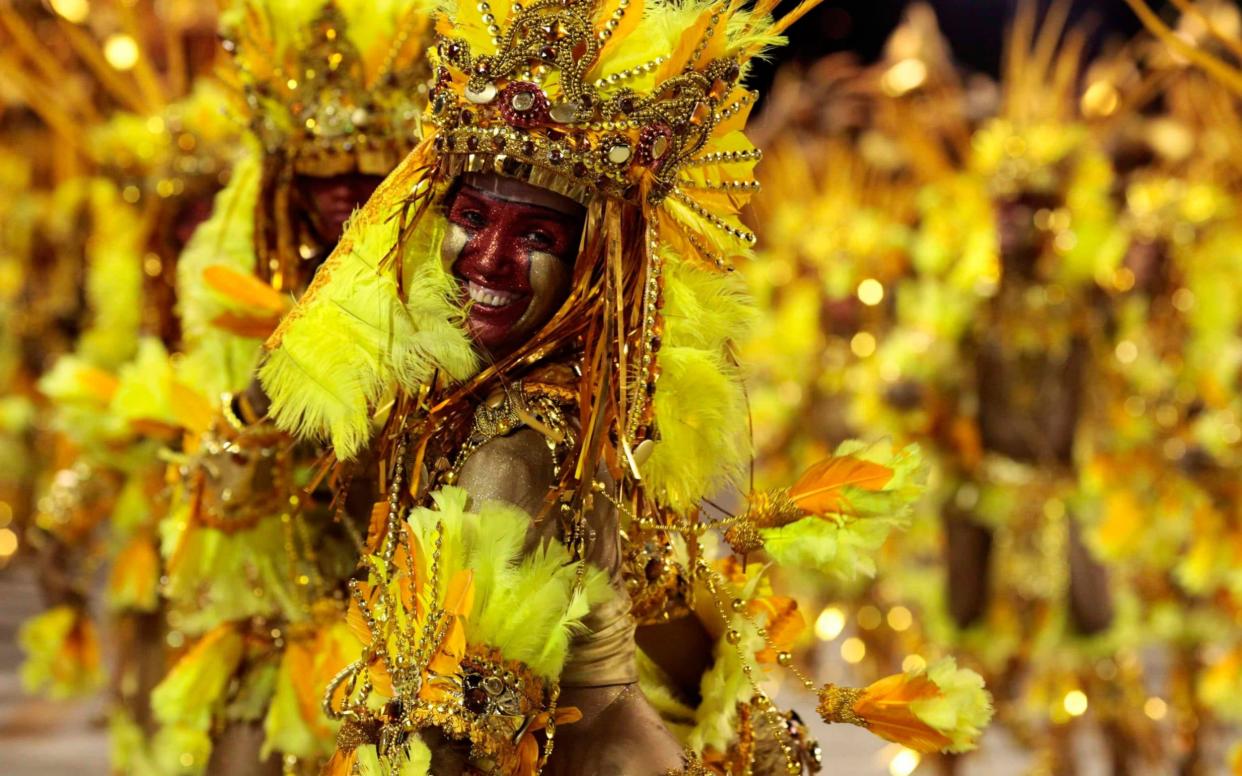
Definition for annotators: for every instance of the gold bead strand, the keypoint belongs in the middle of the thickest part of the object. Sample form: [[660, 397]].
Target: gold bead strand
[[713, 580], [702, 44], [624, 75], [613, 22], [394, 500], [745, 235], [550, 728], [650, 313], [726, 157], [488, 18]]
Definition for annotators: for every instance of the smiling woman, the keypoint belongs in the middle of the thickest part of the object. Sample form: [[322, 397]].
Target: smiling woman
[[570, 216], [511, 246]]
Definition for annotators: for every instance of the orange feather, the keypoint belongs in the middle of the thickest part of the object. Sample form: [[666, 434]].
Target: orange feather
[[885, 705], [822, 488], [243, 325], [98, 383], [245, 290]]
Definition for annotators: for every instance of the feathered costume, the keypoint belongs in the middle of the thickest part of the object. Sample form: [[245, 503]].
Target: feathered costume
[[254, 562], [115, 403], [635, 110]]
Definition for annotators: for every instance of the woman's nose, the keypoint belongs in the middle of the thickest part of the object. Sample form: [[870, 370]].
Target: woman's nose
[[490, 251]]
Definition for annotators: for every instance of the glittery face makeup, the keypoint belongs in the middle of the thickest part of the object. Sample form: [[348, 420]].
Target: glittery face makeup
[[330, 201], [511, 246]]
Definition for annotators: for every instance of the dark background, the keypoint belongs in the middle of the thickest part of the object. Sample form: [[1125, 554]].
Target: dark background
[[975, 29]]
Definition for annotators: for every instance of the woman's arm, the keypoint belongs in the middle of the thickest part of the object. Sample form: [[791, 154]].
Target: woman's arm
[[620, 733]]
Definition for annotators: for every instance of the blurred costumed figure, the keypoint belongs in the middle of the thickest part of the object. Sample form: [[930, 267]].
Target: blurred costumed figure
[[255, 557], [1008, 396], [19, 218], [1166, 460], [521, 354], [148, 179], [980, 307]]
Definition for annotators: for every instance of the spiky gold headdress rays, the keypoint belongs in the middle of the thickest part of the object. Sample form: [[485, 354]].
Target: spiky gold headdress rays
[[1038, 130], [637, 101]]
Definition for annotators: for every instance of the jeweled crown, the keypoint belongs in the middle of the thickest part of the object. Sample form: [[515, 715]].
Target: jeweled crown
[[190, 144], [337, 86], [577, 88]]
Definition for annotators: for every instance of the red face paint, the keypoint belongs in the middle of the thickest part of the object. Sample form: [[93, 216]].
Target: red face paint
[[513, 260], [333, 199]]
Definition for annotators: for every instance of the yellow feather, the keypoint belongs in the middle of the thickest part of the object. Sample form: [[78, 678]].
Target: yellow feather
[[736, 122], [679, 59], [631, 16], [698, 180], [464, 20], [192, 410]]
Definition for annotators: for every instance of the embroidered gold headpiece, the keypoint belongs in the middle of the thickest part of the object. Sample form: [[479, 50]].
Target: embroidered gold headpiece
[[337, 86], [1032, 145], [636, 101], [190, 144]]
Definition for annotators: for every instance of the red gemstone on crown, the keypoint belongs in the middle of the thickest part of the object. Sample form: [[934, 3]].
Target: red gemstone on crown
[[523, 104], [653, 145]]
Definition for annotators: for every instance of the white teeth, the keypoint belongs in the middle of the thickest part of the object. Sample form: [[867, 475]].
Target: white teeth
[[489, 296]]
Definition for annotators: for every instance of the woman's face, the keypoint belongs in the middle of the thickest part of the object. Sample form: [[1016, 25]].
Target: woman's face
[[330, 201], [511, 246]]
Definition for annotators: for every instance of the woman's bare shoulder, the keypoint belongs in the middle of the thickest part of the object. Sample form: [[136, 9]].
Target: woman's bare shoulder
[[516, 468]]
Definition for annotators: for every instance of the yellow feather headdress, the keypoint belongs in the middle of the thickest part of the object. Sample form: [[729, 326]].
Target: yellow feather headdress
[[1039, 128], [641, 101], [190, 144], [334, 85]]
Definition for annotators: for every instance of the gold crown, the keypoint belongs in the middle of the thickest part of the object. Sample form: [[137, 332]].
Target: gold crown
[[532, 101], [336, 92]]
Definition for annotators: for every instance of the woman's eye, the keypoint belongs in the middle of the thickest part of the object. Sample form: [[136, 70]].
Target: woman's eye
[[471, 217], [539, 238]]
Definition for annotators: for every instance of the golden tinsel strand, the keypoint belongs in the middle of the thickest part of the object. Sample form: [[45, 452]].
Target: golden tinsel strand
[[836, 705], [743, 537], [767, 509], [355, 733], [772, 509]]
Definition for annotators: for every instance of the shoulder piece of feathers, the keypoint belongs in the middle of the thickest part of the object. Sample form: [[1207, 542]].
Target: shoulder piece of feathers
[[848, 512], [352, 341], [526, 605]]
